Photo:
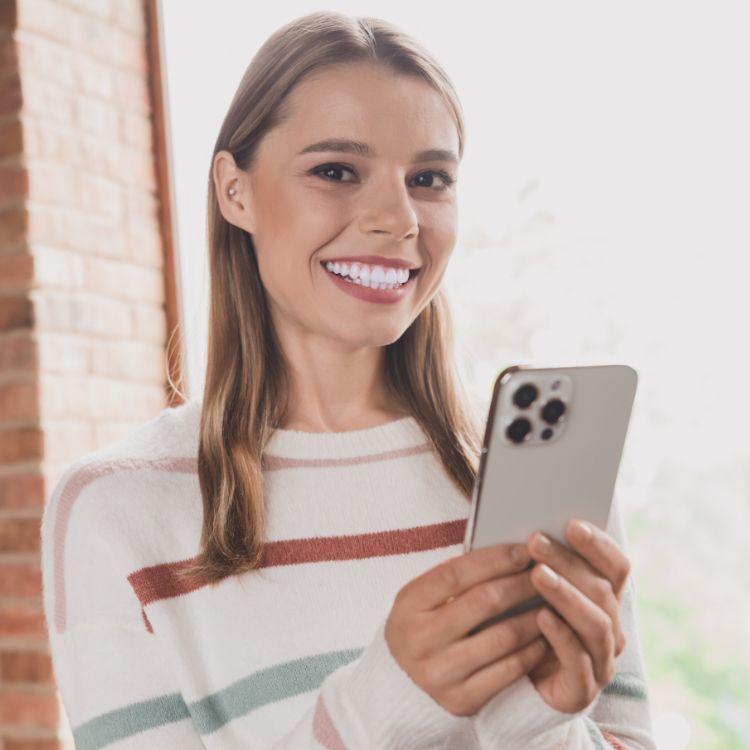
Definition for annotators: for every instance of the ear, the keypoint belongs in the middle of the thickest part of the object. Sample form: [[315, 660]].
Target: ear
[[235, 208]]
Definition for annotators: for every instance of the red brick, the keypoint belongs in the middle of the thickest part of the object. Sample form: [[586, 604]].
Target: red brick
[[22, 491], [16, 271], [19, 401], [14, 183], [18, 353], [11, 98], [13, 226], [19, 534], [35, 744], [11, 139], [7, 18], [29, 709], [19, 621], [15, 312], [20, 580], [21, 444], [8, 54], [26, 666]]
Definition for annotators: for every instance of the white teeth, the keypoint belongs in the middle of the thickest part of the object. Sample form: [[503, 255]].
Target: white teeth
[[375, 277]]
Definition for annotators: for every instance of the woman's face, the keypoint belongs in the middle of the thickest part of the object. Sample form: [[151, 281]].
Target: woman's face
[[308, 206]]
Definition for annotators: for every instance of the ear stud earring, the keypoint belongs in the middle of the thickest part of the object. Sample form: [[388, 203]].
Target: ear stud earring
[[232, 190]]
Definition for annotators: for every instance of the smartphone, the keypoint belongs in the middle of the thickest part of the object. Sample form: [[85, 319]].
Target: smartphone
[[551, 452]]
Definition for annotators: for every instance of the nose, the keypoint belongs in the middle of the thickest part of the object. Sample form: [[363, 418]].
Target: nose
[[388, 208]]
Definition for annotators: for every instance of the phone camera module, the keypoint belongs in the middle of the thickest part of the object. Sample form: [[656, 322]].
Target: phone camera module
[[518, 429], [553, 410], [525, 395]]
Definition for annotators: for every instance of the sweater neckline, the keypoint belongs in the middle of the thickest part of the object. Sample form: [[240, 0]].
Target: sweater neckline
[[397, 434]]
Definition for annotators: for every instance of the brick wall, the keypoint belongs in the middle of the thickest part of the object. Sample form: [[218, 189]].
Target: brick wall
[[82, 293]]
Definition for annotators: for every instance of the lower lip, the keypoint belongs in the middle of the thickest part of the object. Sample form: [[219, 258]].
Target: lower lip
[[368, 294]]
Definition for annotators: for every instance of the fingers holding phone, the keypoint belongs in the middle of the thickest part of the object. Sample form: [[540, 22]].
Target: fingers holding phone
[[584, 630], [428, 627]]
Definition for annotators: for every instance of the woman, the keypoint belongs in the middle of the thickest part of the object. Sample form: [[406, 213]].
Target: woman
[[281, 562]]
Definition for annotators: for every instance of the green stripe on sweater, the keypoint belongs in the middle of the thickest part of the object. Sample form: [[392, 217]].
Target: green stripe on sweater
[[627, 683], [214, 711], [124, 722], [267, 686]]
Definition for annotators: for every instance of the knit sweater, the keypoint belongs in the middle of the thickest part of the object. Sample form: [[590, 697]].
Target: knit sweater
[[292, 655]]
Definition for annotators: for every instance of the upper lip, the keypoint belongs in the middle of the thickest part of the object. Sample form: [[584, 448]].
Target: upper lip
[[374, 260]]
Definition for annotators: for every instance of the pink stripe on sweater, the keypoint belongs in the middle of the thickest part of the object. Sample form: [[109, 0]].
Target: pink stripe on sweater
[[324, 730], [612, 740], [177, 464]]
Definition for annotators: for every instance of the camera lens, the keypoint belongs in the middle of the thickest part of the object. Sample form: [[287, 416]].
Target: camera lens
[[553, 410], [547, 433], [518, 429], [525, 395]]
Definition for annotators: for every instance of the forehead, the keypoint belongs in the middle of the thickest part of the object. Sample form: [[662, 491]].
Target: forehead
[[392, 112]]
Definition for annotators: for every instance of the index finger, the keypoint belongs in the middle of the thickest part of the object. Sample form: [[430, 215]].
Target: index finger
[[601, 551], [452, 577]]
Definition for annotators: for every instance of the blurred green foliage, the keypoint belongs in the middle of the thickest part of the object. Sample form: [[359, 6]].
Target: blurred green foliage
[[678, 654]]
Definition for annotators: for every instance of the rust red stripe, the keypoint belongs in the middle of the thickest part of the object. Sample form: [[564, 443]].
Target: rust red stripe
[[158, 582]]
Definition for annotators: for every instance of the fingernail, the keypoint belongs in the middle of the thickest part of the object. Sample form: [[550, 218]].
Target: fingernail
[[550, 577], [582, 529], [519, 554], [542, 542]]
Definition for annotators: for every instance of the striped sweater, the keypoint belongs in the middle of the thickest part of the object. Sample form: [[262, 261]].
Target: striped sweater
[[290, 656]]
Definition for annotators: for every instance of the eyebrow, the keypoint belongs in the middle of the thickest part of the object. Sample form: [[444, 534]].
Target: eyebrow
[[345, 145]]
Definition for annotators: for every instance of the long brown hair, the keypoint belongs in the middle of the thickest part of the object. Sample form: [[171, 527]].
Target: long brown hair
[[245, 396]]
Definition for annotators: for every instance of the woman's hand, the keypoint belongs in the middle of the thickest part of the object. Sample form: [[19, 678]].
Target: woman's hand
[[585, 634], [427, 628]]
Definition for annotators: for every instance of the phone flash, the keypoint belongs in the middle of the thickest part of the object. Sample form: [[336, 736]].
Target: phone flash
[[555, 385]]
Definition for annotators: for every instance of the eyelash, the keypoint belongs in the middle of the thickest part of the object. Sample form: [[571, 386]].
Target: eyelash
[[447, 179]]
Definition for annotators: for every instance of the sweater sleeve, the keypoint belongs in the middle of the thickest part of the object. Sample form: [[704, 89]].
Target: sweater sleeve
[[372, 702], [113, 678], [118, 690], [618, 719]]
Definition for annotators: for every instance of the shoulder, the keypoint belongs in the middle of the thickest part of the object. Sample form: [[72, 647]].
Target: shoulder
[[106, 513]]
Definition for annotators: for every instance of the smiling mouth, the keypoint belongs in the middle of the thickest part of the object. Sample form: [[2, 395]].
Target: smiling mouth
[[413, 272]]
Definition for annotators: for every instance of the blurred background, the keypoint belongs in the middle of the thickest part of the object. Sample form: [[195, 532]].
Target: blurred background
[[604, 200]]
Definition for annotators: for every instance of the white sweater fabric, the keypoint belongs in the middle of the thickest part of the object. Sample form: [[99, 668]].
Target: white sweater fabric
[[291, 656]]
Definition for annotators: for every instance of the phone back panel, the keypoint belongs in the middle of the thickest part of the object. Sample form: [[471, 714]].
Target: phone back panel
[[523, 487]]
